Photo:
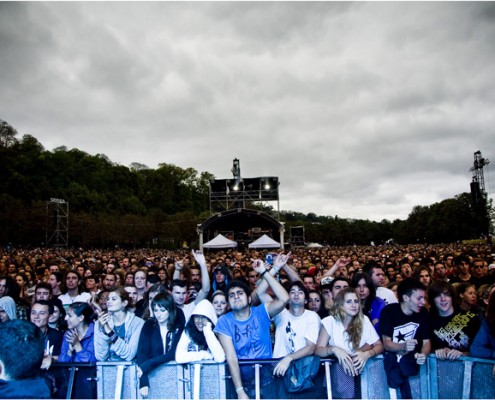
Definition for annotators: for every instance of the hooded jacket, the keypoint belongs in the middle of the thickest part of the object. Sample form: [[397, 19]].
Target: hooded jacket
[[188, 351], [7, 304]]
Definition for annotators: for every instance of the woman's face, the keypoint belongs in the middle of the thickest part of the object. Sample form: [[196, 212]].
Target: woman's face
[[220, 304], [444, 304], [55, 316], [351, 305], [20, 281], [73, 321], [362, 289], [394, 289], [162, 275], [115, 303], [220, 277], [200, 321], [161, 314], [314, 302], [469, 296]]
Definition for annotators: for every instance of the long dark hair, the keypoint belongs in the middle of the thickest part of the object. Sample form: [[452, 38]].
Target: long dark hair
[[84, 309], [196, 336], [166, 301], [371, 287]]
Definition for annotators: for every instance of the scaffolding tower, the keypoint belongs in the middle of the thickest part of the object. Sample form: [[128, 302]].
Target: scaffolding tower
[[57, 223], [479, 195]]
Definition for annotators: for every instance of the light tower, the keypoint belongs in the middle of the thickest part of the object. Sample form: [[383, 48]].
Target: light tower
[[479, 195]]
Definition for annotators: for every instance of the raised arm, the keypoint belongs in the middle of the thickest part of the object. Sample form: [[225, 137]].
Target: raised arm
[[205, 277], [281, 296]]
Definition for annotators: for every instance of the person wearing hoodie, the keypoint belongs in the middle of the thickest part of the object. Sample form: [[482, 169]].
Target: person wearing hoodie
[[7, 309], [198, 342]]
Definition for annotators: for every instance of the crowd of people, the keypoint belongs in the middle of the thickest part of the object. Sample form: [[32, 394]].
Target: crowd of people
[[351, 303]]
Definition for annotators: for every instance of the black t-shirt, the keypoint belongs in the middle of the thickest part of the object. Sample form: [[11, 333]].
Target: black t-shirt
[[55, 337], [457, 331], [401, 327]]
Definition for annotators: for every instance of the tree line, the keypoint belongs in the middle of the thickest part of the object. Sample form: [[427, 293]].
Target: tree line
[[111, 204]]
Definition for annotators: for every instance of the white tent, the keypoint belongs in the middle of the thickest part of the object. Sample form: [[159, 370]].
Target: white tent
[[264, 242], [220, 242], [314, 246]]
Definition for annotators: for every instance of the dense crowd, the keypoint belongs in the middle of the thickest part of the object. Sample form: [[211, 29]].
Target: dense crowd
[[351, 303]]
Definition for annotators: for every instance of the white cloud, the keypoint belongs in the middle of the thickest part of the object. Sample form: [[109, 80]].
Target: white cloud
[[363, 110]]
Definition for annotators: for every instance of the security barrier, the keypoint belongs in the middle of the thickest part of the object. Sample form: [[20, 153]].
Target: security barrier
[[465, 378]]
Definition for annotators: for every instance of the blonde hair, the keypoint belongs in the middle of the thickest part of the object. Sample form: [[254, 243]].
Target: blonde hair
[[355, 328]]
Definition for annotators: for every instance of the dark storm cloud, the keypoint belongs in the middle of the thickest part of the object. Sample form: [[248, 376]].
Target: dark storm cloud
[[363, 110]]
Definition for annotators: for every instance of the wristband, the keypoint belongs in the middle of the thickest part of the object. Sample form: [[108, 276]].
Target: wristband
[[239, 389], [114, 338], [110, 334], [263, 273]]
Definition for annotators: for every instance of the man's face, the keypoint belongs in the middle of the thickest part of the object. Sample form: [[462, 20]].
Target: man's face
[[415, 302], [90, 284], [238, 299], [42, 294], [296, 297], [406, 270], [338, 286], [40, 315], [133, 294], [71, 281], [444, 304], [440, 270], [424, 278], [109, 281], [378, 277], [140, 279], [53, 281], [309, 283], [195, 275], [179, 295], [478, 269], [54, 268]]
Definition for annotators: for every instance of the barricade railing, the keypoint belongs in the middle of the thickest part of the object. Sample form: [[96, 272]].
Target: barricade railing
[[72, 380], [465, 378]]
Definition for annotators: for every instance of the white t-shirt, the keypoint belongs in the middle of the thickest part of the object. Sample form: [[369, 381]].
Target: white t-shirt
[[339, 338], [292, 332], [386, 294], [66, 300]]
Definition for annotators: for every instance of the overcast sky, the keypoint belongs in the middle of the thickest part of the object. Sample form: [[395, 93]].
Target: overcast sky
[[363, 110]]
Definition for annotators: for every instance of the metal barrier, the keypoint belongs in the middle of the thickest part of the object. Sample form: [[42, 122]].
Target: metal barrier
[[72, 380], [466, 378]]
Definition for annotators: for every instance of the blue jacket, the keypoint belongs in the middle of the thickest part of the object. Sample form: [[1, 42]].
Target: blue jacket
[[87, 354], [483, 345]]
